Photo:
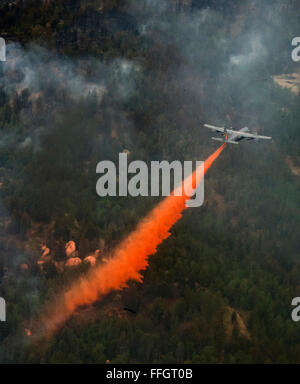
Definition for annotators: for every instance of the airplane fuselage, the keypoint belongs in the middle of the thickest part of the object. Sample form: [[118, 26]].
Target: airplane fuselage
[[236, 137], [233, 137]]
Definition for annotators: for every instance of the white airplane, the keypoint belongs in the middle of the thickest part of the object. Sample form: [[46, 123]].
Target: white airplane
[[233, 137]]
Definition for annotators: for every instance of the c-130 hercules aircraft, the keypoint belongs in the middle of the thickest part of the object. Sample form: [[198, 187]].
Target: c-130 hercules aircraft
[[233, 137]]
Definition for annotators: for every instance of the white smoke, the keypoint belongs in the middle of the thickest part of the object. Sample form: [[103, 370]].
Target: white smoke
[[253, 50]]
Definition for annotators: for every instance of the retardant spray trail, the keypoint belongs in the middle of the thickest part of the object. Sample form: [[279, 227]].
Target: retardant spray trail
[[126, 262]]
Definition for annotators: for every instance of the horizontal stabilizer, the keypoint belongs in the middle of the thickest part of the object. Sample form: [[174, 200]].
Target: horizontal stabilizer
[[224, 141], [231, 142]]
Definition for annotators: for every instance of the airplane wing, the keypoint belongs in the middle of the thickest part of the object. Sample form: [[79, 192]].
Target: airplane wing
[[251, 135], [217, 129]]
